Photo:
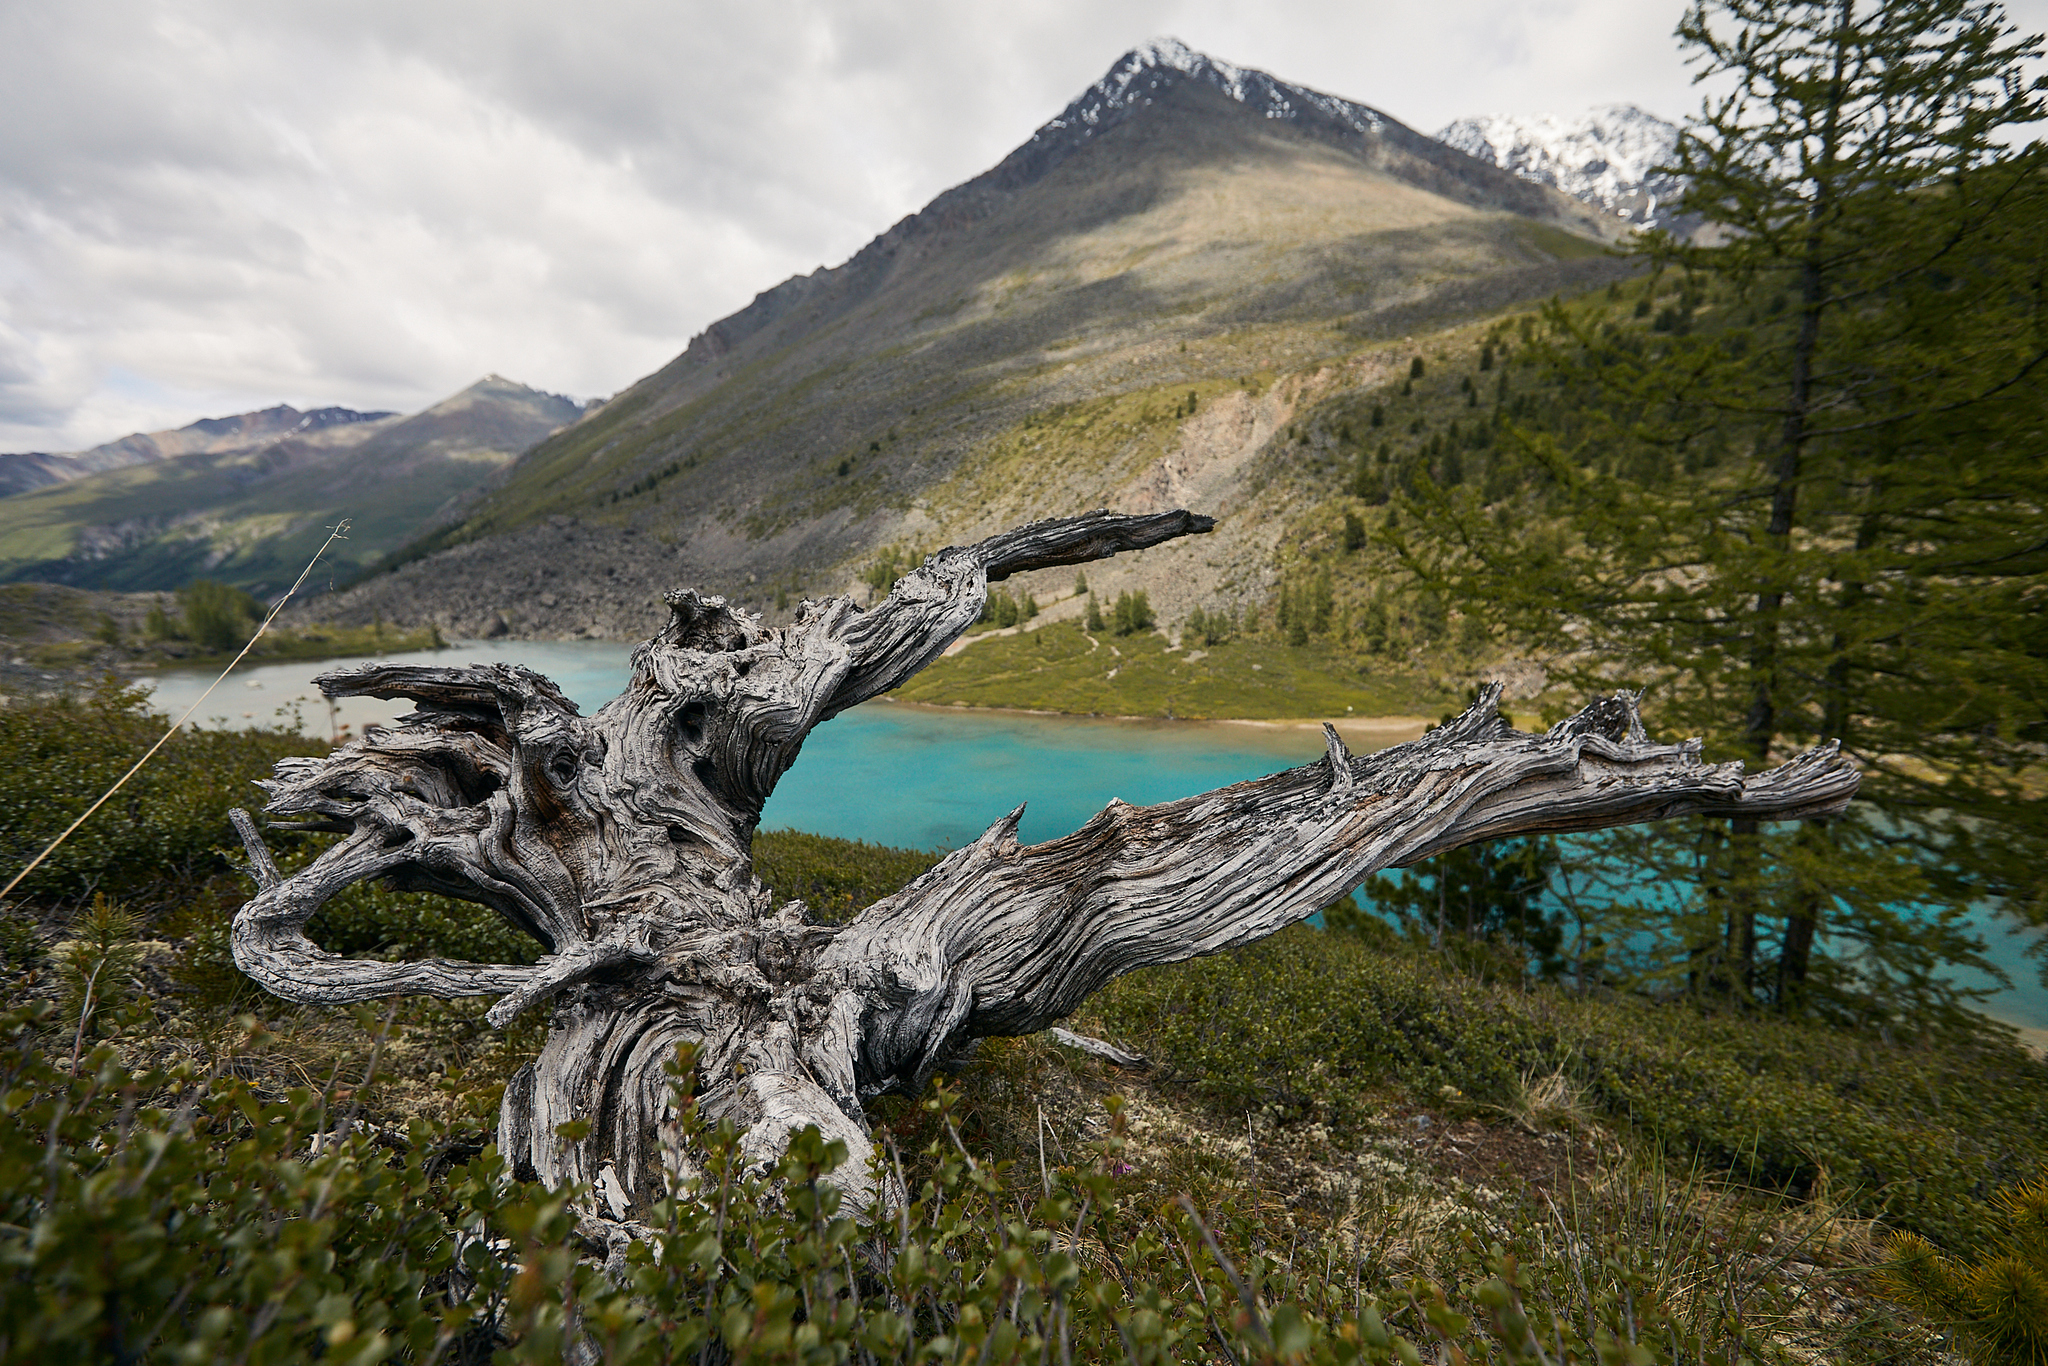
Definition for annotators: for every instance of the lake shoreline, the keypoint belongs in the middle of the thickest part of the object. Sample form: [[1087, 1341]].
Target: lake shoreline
[[990, 759], [1381, 731]]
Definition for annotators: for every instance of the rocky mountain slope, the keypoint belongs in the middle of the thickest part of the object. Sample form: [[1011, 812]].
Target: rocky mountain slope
[[247, 500], [1606, 157], [1125, 311], [25, 470]]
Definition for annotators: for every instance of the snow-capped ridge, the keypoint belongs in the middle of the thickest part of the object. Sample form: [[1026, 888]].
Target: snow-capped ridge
[[1608, 156], [1135, 77]]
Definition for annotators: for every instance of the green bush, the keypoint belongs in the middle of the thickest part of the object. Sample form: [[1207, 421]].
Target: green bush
[[833, 878], [178, 1216], [217, 617], [1315, 1026], [1132, 613], [175, 1216], [160, 834], [1997, 1304]]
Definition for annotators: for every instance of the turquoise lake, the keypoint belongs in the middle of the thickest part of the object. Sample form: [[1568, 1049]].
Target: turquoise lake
[[922, 778]]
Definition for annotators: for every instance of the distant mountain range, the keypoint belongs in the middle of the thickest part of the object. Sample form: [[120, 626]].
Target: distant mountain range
[[210, 435], [246, 499], [1607, 156], [1025, 344], [1127, 310]]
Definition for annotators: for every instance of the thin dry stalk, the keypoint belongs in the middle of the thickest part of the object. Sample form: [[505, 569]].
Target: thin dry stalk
[[179, 724]]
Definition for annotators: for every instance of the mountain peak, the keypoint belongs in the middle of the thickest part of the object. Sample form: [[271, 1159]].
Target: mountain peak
[[1137, 76], [1607, 156]]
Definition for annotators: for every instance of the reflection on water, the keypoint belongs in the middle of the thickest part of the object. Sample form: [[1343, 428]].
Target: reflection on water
[[914, 777], [591, 672], [922, 778]]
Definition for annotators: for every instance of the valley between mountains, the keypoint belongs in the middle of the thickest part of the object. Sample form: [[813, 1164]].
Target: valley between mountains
[[1157, 301], [1196, 286]]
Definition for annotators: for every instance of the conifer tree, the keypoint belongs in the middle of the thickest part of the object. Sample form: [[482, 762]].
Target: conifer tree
[[1805, 502]]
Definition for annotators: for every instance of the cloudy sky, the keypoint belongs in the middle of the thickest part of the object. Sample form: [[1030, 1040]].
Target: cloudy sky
[[218, 205]]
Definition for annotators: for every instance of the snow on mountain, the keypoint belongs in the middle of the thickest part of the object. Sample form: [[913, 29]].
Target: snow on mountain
[[1605, 157], [1137, 75]]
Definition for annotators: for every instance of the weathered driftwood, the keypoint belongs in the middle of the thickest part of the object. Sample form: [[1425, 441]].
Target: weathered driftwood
[[621, 842]]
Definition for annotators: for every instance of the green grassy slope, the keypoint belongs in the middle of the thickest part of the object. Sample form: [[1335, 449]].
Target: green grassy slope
[[1061, 667], [253, 516], [1193, 248]]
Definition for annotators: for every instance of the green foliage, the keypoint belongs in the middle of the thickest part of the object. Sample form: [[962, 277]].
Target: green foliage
[[833, 878], [892, 564], [1305, 608], [1997, 1302], [1093, 616], [160, 834], [176, 1215], [1208, 627], [158, 624], [1313, 1027], [216, 617], [1485, 895], [172, 1215], [1000, 609], [1802, 505], [1354, 532], [1132, 613], [368, 919], [96, 964]]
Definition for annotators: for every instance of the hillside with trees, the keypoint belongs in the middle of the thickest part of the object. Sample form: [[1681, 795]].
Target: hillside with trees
[[1723, 1104]]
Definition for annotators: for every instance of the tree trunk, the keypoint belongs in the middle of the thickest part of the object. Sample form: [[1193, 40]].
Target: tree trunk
[[621, 842]]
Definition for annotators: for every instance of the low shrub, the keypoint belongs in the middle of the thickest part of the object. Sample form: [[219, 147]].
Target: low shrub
[[1310, 1025], [833, 878], [1996, 1303], [161, 834], [173, 1216]]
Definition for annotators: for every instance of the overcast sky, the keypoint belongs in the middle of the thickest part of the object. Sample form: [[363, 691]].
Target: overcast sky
[[215, 206]]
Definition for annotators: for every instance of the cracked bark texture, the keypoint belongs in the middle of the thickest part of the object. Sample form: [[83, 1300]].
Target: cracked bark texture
[[620, 842]]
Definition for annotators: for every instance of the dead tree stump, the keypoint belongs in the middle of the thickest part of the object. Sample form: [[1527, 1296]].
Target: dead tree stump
[[621, 842]]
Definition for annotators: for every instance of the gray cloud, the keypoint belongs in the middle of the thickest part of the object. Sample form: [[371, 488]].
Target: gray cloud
[[217, 204]]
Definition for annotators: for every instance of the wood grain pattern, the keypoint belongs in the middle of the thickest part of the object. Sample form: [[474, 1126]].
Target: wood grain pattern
[[620, 842]]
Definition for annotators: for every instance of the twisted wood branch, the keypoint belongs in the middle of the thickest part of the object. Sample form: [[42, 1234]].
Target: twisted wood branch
[[620, 842]]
